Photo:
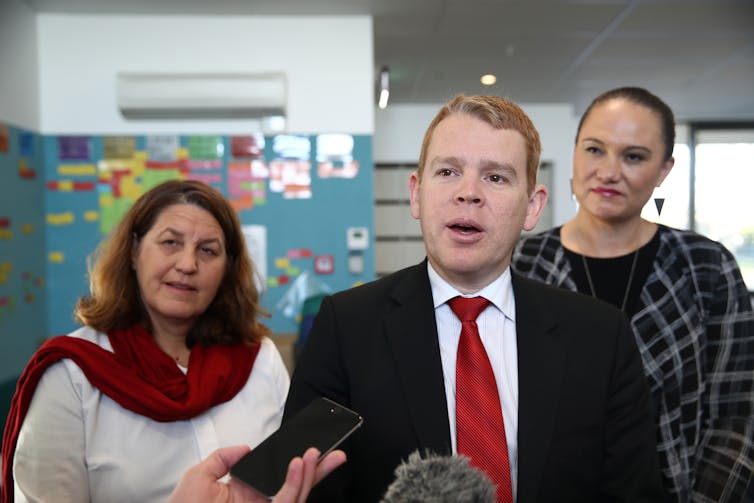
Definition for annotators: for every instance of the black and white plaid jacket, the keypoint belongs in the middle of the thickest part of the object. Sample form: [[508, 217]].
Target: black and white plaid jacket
[[695, 331]]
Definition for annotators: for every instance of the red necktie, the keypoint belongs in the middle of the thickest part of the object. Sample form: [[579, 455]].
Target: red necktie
[[480, 431]]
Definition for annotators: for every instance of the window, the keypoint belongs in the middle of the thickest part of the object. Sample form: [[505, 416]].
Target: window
[[712, 191], [724, 190], [669, 204]]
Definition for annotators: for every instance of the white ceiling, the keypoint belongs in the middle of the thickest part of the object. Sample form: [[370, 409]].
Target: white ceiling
[[697, 54]]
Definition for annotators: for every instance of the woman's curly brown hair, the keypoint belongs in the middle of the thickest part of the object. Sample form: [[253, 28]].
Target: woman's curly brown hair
[[115, 300]]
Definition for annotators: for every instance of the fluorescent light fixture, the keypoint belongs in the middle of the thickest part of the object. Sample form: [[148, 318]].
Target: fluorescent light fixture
[[384, 95], [384, 88]]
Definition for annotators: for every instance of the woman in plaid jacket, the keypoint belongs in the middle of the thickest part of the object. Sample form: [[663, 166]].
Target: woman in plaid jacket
[[689, 308]]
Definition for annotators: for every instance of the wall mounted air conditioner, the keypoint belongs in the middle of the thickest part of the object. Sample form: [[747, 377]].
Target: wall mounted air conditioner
[[201, 95]]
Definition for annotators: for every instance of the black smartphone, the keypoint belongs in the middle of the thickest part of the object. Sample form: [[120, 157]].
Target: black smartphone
[[323, 424]]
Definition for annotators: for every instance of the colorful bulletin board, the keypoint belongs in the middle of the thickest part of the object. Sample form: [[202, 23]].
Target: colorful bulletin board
[[305, 202], [22, 245]]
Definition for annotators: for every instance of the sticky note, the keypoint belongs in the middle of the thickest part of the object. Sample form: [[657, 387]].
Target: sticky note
[[56, 257], [66, 218], [77, 169], [282, 263]]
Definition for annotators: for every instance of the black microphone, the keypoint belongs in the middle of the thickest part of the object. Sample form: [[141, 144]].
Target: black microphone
[[439, 479]]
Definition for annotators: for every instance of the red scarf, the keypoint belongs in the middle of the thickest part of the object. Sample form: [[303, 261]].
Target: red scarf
[[139, 376]]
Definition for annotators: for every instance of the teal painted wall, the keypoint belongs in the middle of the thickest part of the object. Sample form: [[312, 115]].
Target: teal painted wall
[[22, 248], [84, 184]]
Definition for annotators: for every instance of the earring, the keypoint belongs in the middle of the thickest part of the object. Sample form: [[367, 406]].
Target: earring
[[659, 199], [659, 202]]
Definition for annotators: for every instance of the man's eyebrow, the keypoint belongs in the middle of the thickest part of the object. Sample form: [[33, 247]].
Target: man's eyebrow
[[487, 164], [495, 165], [451, 159]]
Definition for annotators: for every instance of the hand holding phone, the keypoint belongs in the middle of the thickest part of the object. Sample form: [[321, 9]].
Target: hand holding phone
[[323, 424]]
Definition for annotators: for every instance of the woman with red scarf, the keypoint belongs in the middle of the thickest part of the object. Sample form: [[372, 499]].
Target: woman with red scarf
[[171, 362]]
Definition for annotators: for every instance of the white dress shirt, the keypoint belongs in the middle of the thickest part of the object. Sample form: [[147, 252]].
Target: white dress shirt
[[76, 444], [497, 329]]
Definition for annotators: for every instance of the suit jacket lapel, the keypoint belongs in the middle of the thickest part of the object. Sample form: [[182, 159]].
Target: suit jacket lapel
[[541, 363], [411, 332]]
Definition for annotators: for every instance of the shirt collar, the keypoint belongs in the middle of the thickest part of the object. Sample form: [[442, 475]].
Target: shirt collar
[[499, 292]]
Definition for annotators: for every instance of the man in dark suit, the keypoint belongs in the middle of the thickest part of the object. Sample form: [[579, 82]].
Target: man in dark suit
[[568, 376]]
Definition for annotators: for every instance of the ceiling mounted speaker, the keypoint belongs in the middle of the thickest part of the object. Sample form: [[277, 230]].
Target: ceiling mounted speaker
[[201, 95]]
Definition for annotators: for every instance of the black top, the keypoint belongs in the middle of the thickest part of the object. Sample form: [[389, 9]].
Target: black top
[[610, 276]]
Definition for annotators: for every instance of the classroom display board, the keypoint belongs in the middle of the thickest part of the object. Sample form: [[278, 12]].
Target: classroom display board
[[305, 203], [23, 300]]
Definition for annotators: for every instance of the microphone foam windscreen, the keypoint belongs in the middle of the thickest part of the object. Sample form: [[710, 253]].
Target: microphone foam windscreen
[[439, 479]]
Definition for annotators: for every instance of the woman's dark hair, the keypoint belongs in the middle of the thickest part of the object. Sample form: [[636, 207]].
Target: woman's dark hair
[[642, 97]]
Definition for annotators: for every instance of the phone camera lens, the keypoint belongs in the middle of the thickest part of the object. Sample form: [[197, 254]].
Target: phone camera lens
[[332, 411]]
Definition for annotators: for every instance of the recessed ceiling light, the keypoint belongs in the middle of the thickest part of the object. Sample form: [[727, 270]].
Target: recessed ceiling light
[[488, 79]]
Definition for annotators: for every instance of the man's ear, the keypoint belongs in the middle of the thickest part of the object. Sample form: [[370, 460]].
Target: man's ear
[[413, 192], [537, 202]]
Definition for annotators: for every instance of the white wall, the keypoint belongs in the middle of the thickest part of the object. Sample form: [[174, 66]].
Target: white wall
[[328, 62], [557, 129], [19, 81], [399, 130]]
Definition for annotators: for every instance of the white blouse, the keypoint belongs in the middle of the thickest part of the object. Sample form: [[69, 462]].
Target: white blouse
[[77, 445]]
